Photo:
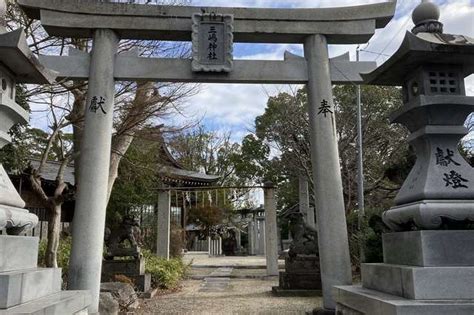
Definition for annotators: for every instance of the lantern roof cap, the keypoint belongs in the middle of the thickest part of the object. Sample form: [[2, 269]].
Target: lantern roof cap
[[423, 49], [426, 11]]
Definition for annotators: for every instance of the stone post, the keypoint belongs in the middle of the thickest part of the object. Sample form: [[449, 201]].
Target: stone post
[[195, 245], [271, 238], [163, 224], [257, 236], [91, 202], [261, 239], [219, 249], [251, 238], [304, 202], [331, 219], [238, 237], [209, 244]]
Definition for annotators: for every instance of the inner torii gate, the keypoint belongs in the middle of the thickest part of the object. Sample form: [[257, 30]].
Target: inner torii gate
[[107, 23]]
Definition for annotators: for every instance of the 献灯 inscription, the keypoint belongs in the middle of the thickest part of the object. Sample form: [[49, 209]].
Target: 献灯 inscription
[[212, 42]]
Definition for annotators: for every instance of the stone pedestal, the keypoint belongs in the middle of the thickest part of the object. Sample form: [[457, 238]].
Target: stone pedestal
[[429, 248], [302, 277], [131, 268], [27, 289], [424, 272]]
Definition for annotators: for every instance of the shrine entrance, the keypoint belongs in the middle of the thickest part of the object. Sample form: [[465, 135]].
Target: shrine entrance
[[259, 224], [213, 31]]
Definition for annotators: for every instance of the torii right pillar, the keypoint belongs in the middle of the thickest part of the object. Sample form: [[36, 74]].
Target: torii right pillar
[[334, 256], [429, 257]]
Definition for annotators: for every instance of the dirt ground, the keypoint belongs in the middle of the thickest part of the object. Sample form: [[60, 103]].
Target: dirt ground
[[241, 297], [228, 285]]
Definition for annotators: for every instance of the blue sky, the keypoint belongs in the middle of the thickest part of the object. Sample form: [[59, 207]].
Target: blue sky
[[232, 107]]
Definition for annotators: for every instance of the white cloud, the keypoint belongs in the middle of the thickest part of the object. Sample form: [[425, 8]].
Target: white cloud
[[287, 3], [276, 52], [230, 105], [234, 107]]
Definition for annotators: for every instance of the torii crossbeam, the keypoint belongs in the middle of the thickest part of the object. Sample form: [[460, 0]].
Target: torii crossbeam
[[107, 23]]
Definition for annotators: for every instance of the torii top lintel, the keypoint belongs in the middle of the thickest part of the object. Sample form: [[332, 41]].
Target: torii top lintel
[[78, 19]]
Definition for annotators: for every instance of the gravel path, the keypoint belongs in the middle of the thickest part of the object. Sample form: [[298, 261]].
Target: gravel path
[[241, 297]]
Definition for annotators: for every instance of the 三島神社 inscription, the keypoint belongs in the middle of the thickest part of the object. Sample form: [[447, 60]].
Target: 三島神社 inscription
[[212, 42]]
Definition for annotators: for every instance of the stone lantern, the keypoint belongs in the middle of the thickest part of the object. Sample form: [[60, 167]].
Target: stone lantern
[[429, 259], [17, 65], [24, 288]]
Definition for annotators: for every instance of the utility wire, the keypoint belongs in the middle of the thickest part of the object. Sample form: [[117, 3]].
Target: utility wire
[[382, 52], [374, 52], [403, 27]]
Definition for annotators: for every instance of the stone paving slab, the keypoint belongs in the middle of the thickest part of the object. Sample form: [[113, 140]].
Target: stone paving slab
[[202, 260], [221, 272], [248, 272], [217, 281]]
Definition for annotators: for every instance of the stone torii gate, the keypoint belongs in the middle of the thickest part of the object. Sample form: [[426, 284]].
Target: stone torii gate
[[107, 23]]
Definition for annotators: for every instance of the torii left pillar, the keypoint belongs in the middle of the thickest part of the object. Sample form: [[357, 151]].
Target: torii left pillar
[[91, 203]]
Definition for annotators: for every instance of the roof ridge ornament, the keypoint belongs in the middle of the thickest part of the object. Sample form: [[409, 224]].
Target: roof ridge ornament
[[426, 18]]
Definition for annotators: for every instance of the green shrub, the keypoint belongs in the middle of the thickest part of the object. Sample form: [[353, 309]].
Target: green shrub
[[165, 274], [64, 252], [370, 236]]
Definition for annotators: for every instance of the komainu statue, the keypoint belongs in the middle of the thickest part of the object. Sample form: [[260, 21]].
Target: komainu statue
[[305, 237], [302, 273], [123, 242], [116, 239]]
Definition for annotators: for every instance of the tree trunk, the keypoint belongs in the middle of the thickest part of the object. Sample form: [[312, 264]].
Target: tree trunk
[[78, 128], [54, 226], [119, 148]]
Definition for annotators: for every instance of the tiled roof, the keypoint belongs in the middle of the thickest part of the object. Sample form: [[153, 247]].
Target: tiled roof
[[51, 168]]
